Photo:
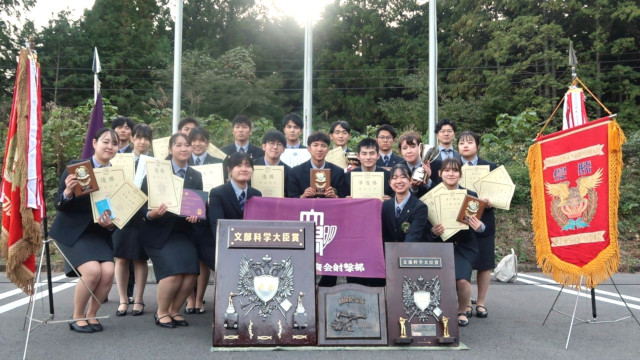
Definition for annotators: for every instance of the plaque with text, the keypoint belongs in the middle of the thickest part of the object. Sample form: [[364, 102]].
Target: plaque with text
[[421, 294], [320, 181], [86, 179], [265, 284], [471, 206], [351, 314]]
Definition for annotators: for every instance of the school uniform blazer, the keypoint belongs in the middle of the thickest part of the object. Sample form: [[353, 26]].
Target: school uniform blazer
[[414, 213], [287, 171], [155, 233], [435, 167], [128, 150], [74, 214], [300, 179], [387, 187], [254, 151], [393, 160], [207, 160], [223, 204], [488, 215]]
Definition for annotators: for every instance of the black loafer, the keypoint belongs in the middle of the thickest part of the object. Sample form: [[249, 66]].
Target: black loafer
[[179, 322], [85, 329], [482, 314], [462, 322], [96, 327], [168, 325]]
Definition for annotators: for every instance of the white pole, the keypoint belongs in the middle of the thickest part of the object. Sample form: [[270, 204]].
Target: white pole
[[97, 68], [95, 87], [177, 67], [308, 77], [433, 71]]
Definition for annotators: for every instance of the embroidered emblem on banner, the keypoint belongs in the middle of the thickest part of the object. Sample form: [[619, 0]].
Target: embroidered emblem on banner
[[266, 285], [574, 208], [324, 233]]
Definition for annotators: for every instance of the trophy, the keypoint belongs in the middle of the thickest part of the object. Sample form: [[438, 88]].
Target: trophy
[[403, 339], [321, 181], [87, 182], [352, 158], [419, 174], [300, 316], [231, 316], [446, 337]]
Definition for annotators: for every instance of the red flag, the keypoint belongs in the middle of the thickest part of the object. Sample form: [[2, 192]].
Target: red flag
[[22, 185], [574, 113]]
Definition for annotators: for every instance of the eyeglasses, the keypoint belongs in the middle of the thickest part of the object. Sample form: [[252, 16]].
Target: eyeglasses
[[446, 131], [274, 144], [385, 138]]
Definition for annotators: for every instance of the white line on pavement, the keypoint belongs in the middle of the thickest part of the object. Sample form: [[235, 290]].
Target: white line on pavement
[[7, 294], [601, 292], [40, 295]]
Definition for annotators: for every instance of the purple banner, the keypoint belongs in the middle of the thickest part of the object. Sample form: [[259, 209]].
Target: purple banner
[[348, 236]]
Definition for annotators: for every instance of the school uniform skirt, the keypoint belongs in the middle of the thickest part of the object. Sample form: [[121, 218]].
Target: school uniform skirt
[[486, 253], [177, 256], [465, 255], [93, 245], [126, 244]]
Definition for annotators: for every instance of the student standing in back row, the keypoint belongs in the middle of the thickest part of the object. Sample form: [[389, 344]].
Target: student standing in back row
[[292, 127], [241, 133]]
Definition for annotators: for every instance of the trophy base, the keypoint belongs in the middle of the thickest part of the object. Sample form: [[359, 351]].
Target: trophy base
[[404, 340], [446, 340]]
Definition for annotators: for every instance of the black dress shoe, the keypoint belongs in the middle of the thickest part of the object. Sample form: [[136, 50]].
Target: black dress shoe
[[482, 314], [168, 325], [468, 311], [179, 322], [462, 322], [199, 310], [86, 329], [122, 312], [96, 327], [135, 312], [189, 310]]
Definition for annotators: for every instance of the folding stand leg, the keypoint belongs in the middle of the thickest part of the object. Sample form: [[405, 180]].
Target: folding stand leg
[[624, 301], [32, 300], [573, 316], [553, 305]]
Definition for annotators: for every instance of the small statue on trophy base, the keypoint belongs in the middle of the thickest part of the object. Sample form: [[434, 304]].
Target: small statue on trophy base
[[403, 339], [231, 316], [446, 337]]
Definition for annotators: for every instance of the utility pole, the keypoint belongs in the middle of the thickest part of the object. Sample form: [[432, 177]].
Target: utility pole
[[433, 71], [308, 76], [177, 67]]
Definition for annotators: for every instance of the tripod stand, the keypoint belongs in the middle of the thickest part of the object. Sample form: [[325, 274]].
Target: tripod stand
[[594, 313]]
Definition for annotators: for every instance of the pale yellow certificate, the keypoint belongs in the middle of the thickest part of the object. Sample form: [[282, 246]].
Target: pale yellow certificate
[[127, 162], [429, 200], [499, 175], [269, 180], [160, 185], [367, 185], [161, 147], [449, 206], [212, 175], [141, 171], [471, 174], [215, 152], [109, 180], [499, 195], [178, 185], [336, 157], [125, 202], [295, 157]]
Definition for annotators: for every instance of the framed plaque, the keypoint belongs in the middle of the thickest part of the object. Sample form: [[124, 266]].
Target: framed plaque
[[422, 305], [471, 206], [86, 179], [320, 181], [351, 314], [367, 185], [265, 284], [269, 180]]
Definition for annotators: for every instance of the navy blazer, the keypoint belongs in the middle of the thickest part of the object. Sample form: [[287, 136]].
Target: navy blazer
[[155, 233], [223, 204], [128, 150], [414, 213], [393, 160], [287, 171], [300, 179], [74, 214], [254, 151], [207, 160], [387, 187]]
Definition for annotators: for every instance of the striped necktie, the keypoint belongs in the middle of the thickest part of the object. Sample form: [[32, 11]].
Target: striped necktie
[[398, 211], [181, 173], [386, 160], [241, 200], [197, 161]]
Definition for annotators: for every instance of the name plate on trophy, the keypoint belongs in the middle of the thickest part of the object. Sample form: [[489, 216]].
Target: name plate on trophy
[[320, 181], [420, 262], [260, 237], [351, 314], [86, 179]]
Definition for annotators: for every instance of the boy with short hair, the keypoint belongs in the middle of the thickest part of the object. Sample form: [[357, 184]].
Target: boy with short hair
[[123, 127], [242, 130], [368, 156], [292, 127]]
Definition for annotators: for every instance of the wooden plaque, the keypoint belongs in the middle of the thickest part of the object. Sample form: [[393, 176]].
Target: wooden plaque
[[87, 182], [421, 288], [351, 314], [265, 284], [320, 181], [471, 206]]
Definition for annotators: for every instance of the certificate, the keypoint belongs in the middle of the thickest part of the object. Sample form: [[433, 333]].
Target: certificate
[[161, 147], [160, 185], [212, 175], [141, 171], [178, 186], [126, 161], [215, 152], [471, 174], [125, 202], [366, 185], [108, 179], [499, 194], [295, 157], [336, 157], [269, 180], [448, 208], [430, 201], [499, 175]]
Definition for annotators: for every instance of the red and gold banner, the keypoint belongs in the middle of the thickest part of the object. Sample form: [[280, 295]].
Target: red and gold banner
[[575, 178]]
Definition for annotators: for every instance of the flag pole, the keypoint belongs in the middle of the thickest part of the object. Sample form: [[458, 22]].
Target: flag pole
[[177, 66], [433, 71], [308, 76], [96, 70]]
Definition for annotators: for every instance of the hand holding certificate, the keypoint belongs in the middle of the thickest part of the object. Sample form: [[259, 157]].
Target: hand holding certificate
[[125, 202], [160, 184], [108, 179]]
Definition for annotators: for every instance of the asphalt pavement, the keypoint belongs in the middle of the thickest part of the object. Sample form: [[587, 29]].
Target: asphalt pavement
[[513, 329]]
